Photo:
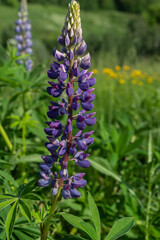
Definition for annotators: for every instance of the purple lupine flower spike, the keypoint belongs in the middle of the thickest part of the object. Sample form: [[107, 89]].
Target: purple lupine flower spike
[[69, 75], [23, 36]]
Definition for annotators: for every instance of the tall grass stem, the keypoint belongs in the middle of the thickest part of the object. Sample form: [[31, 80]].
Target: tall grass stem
[[6, 138]]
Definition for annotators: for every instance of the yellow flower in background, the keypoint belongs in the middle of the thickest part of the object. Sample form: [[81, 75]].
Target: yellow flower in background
[[95, 71], [140, 84], [134, 81], [126, 68], [117, 68], [150, 80], [113, 75], [136, 73], [107, 70], [122, 81]]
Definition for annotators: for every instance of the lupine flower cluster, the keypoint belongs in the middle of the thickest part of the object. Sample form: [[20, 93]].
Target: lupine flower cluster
[[23, 35], [72, 64]]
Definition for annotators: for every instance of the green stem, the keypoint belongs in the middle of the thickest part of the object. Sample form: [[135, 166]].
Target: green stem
[[24, 137], [149, 188], [5, 137], [53, 208]]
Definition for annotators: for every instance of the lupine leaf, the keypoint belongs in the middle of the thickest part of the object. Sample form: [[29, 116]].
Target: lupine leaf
[[9, 178], [9, 224], [120, 228], [72, 237], [32, 231], [31, 196], [28, 188], [74, 221], [22, 235], [5, 162], [89, 230], [95, 215], [25, 210], [7, 196], [6, 203], [3, 235], [105, 170]]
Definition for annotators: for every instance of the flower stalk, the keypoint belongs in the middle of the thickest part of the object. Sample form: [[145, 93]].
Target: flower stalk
[[53, 208], [65, 148], [23, 36]]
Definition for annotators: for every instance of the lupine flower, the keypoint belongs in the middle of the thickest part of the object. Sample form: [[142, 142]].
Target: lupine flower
[[23, 35], [69, 74]]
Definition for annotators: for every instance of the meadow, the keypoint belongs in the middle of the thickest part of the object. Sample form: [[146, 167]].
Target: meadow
[[124, 176]]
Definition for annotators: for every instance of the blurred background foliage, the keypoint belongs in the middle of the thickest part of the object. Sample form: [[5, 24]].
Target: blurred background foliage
[[123, 37], [122, 30]]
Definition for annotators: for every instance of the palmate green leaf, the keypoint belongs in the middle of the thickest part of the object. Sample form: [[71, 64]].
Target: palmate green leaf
[[95, 215], [9, 178], [31, 196], [9, 224], [7, 196], [27, 188], [25, 210], [3, 235], [6, 203], [120, 228]]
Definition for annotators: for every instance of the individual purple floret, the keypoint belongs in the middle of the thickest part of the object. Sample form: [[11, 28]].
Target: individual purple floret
[[23, 36], [70, 78]]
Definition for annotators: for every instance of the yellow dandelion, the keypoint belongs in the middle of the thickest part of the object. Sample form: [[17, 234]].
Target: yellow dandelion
[[134, 81], [106, 70], [113, 75], [150, 80], [136, 73], [122, 81], [117, 68], [95, 71], [140, 84], [126, 68]]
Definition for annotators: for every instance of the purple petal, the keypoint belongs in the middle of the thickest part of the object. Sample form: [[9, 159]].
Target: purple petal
[[76, 71], [52, 74], [80, 125], [69, 91], [80, 183], [78, 176], [66, 194], [67, 40], [81, 48], [90, 121], [63, 75], [75, 105], [70, 55], [83, 86], [91, 81], [61, 40], [83, 164], [58, 55], [75, 193], [81, 144], [43, 183], [87, 106], [64, 174], [53, 114]]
